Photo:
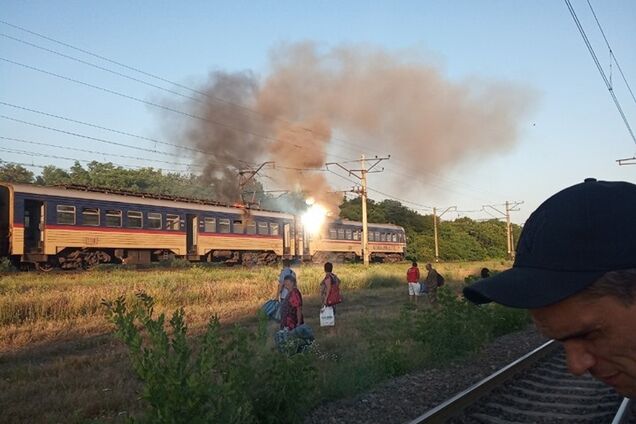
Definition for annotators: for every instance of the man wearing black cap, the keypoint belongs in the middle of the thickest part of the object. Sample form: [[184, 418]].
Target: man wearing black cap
[[575, 270]]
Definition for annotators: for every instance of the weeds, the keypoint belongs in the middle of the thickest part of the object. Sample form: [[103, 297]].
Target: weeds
[[6, 266], [225, 381]]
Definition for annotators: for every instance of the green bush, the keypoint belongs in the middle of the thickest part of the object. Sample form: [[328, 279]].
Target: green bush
[[452, 328], [456, 327], [6, 266], [233, 380]]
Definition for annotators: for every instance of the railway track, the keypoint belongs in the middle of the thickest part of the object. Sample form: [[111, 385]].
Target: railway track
[[536, 388]]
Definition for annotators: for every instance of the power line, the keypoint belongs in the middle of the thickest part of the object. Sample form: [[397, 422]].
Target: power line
[[141, 137], [346, 143], [148, 74], [156, 105], [37, 154], [613, 56], [19, 140], [74, 134], [202, 93], [600, 69]]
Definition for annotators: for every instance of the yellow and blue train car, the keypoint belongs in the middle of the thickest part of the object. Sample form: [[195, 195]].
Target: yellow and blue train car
[[341, 241], [67, 227], [73, 227]]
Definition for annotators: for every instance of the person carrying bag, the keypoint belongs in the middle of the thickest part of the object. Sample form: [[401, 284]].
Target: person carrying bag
[[330, 295]]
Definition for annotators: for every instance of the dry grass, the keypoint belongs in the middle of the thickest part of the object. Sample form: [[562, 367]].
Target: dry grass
[[59, 362]]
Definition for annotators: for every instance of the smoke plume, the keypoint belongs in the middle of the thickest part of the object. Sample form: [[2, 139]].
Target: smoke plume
[[374, 101]]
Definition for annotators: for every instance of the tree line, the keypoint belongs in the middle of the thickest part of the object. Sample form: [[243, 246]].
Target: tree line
[[462, 239]]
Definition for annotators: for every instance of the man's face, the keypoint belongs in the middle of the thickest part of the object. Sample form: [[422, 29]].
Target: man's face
[[599, 336]]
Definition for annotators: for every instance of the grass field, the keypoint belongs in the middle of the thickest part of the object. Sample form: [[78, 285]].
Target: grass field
[[59, 361]]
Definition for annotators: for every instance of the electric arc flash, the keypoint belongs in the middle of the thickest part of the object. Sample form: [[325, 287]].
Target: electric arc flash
[[313, 218]]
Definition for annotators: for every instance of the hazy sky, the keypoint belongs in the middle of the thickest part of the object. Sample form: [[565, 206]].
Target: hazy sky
[[571, 131]]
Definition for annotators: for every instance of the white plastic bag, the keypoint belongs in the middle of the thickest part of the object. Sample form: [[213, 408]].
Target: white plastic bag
[[327, 317]]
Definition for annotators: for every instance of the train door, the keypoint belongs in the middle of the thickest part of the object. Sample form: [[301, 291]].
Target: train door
[[4, 222], [286, 239], [307, 241], [33, 226], [192, 233]]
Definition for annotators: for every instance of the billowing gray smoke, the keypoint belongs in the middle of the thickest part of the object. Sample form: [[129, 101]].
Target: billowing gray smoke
[[383, 102]]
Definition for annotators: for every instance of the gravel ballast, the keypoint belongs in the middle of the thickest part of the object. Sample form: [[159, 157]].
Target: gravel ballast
[[405, 398]]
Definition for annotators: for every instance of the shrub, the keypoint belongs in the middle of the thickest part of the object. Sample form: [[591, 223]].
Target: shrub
[[451, 329], [226, 381], [6, 266]]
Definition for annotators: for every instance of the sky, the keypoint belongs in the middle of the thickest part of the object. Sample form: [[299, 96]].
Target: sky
[[572, 129]]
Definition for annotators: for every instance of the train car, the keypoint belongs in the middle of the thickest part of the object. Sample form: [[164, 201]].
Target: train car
[[341, 241], [71, 228]]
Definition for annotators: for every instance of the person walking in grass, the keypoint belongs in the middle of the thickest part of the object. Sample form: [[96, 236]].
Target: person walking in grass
[[329, 283], [431, 284], [413, 281], [292, 305], [286, 271]]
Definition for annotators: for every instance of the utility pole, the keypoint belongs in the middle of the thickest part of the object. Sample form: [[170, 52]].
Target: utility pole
[[450, 208], [245, 176], [510, 207], [361, 174]]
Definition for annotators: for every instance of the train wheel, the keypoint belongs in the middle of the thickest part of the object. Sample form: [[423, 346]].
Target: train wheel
[[44, 266]]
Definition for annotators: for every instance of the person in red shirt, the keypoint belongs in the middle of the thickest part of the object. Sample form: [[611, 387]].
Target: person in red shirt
[[292, 305], [413, 280]]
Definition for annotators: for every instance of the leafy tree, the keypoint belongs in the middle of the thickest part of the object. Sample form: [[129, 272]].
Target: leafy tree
[[13, 173]]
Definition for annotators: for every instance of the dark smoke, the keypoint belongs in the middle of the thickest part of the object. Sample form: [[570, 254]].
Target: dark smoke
[[384, 102]]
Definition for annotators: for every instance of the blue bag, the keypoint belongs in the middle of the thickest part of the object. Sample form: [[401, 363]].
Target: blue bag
[[271, 308]]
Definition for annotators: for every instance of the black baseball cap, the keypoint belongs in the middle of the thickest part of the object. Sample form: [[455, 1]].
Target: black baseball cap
[[569, 242]]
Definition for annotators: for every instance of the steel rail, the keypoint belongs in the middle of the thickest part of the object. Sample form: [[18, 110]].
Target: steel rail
[[623, 415], [462, 400]]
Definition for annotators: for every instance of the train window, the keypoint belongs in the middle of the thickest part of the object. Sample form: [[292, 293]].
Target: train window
[[172, 222], [90, 216], [154, 220], [135, 219], [113, 218], [394, 237], [263, 228], [340, 233], [370, 236], [66, 214], [224, 226], [273, 227], [251, 227], [238, 226], [356, 235], [209, 225], [333, 234], [348, 234]]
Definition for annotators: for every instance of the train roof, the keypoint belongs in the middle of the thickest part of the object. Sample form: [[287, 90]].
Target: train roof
[[371, 224], [127, 196]]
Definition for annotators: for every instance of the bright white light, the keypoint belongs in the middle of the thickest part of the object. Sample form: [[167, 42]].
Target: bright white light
[[314, 218]]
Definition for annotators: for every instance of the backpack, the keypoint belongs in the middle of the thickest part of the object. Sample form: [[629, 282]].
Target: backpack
[[440, 280], [334, 294]]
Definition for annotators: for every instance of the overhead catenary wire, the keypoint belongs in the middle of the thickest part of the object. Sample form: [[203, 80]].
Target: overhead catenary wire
[[100, 127], [148, 74], [57, 146], [613, 56], [39, 154], [600, 68], [346, 143]]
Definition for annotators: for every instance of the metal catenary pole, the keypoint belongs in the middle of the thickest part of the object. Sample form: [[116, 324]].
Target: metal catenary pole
[[361, 174]]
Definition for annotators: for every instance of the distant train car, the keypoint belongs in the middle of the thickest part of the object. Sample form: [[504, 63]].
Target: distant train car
[[78, 228], [341, 241]]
